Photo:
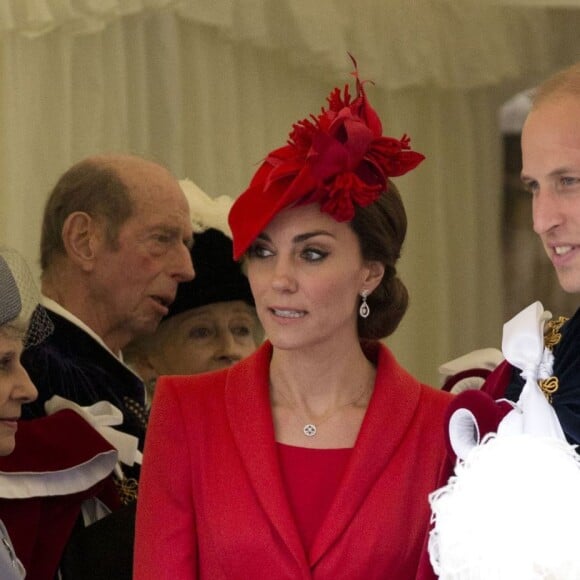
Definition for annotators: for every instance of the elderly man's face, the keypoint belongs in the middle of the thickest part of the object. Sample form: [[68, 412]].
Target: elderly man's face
[[136, 280]]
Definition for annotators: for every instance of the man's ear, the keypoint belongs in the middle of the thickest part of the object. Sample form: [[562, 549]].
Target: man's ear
[[376, 271], [80, 237]]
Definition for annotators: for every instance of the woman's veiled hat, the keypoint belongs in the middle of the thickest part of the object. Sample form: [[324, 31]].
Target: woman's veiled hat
[[10, 303], [19, 298], [339, 159]]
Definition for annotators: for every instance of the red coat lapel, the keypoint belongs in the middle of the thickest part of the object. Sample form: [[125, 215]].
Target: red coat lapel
[[250, 416], [393, 403]]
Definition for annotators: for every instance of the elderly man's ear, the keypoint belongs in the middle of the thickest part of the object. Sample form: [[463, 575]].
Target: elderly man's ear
[[82, 236]]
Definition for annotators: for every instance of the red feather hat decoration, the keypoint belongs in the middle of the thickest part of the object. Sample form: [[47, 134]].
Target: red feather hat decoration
[[338, 159]]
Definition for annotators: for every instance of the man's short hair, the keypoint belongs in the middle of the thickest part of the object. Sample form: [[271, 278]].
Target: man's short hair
[[89, 186], [564, 82]]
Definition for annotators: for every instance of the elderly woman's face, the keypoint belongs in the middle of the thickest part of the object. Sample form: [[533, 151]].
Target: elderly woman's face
[[207, 338], [16, 388]]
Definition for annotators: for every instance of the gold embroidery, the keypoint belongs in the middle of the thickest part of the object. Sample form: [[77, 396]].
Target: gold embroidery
[[552, 337], [549, 386], [552, 334], [127, 488]]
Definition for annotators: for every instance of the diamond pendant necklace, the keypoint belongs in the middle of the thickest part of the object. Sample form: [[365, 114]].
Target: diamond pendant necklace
[[310, 427]]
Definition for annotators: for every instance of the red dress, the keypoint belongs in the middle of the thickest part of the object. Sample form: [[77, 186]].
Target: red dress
[[311, 478]]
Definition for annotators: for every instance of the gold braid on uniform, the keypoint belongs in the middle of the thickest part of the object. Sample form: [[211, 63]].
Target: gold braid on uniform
[[552, 337], [127, 488], [552, 334]]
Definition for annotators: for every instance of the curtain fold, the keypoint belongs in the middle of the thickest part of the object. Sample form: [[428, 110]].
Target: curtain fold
[[444, 43], [37, 17], [208, 88]]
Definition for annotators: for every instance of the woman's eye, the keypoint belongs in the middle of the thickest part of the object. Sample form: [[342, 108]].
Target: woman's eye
[[259, 251], [241, 330], [199, 332], [313, 255], [5, 362]]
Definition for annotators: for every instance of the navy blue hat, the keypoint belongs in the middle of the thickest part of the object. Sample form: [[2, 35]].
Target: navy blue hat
[[218, 277]]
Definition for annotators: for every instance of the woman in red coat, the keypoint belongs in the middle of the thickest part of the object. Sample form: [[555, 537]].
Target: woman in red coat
[[314, 457]]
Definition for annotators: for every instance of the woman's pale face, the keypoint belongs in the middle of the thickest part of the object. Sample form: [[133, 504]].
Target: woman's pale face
[[16, 388], [207, 338], [307, 272]]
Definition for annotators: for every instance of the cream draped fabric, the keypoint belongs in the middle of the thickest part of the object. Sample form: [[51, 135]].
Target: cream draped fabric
[[207, 87]]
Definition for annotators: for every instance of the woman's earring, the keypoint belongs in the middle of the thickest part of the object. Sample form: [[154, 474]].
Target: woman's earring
[[364, 309]]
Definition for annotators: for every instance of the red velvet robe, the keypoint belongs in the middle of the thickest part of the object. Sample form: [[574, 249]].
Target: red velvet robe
[[59, 462], [212, 502]]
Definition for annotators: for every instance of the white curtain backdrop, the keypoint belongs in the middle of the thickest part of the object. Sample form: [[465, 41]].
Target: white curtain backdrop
[[207, 87]]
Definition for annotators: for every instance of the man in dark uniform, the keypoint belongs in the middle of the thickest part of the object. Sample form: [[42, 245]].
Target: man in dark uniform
[[551, 172], [525, 475], [115, 245]]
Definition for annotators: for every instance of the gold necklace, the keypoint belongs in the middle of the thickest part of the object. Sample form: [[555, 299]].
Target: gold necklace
[[310, 427]]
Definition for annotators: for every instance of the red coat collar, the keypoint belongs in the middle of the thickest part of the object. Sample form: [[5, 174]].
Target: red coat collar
[[388, 417]]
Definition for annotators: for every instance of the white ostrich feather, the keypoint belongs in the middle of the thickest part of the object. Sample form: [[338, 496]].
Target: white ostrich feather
[[510, 512], [207, 212]]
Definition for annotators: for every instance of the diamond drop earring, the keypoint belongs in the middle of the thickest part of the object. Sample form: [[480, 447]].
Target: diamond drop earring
[[364, 309]]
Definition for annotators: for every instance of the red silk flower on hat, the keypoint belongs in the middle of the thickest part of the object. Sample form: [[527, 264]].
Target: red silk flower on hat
[[338, 159]]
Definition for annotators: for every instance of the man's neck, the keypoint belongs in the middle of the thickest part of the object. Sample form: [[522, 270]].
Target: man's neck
[[69, 293]]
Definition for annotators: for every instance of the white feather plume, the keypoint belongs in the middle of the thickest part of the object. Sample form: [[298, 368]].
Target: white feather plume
[[207, 212], [510, 512]]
